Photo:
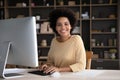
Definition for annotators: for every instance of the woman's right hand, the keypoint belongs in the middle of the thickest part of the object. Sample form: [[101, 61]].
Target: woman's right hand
[[43, 67]]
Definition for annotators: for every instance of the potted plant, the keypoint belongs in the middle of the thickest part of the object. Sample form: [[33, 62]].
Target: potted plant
[[112, 53]]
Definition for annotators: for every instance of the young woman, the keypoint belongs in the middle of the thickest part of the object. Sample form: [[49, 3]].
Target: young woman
[[67, 52]]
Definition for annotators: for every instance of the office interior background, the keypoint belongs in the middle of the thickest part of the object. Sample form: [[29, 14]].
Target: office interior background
[[98, 24]]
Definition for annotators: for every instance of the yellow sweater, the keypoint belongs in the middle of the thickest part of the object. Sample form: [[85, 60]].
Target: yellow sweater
[[70, 53]]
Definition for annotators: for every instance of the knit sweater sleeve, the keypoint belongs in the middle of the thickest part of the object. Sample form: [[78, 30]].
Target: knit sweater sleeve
[[80, 55]]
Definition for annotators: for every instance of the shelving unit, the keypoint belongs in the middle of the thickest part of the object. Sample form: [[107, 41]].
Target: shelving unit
[[95, 17], [101, 33]]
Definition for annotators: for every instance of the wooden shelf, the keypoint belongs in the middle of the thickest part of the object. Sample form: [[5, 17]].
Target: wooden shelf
[[113, 4], [42, 57], [104, 47], [109, 33]]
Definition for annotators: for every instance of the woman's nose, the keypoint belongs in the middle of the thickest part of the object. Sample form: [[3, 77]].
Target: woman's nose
[[63, 26]]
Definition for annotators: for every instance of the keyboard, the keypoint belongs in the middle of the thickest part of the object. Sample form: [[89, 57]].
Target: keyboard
[[38, 72]]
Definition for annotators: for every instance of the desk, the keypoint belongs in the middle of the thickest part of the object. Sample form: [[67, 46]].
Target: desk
[[83, 75]]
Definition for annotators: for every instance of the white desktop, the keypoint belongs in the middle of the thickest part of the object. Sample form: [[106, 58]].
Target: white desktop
[[18, 43], [92, 74]]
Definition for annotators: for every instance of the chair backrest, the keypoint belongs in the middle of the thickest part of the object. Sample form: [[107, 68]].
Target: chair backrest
[[88, 59]]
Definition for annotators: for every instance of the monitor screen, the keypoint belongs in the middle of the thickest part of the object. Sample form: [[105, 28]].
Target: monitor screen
[[21, 33]]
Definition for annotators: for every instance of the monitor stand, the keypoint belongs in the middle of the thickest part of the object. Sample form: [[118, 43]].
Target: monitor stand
[[4, 51]]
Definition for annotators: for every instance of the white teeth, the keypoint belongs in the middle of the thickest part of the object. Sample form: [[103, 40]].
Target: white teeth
[[63, 31]]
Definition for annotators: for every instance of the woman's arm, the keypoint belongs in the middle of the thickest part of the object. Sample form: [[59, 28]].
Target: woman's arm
[[65, 69], [53, 69]]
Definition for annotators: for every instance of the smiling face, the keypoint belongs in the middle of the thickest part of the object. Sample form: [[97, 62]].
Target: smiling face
[[63, 27]]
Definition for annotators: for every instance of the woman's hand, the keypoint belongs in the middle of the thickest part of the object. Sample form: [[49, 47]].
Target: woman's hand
[[48, 69], [51, 69], [43, 67]]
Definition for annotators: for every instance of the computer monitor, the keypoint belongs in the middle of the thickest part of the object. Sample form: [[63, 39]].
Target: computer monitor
[[18, 42]]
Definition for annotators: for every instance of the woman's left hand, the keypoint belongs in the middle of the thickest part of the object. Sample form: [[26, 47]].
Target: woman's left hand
[[51, 69]]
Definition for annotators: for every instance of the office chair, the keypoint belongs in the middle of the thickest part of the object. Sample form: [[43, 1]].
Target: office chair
[[88, 59]]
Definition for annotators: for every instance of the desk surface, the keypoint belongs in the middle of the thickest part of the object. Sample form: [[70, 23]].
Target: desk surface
[[83, 75]]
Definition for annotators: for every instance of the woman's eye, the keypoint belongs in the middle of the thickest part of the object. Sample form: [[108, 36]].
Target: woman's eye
[[58, 25], [66, 24]]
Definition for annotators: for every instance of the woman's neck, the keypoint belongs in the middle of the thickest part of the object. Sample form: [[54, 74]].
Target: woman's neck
[[62, 39]]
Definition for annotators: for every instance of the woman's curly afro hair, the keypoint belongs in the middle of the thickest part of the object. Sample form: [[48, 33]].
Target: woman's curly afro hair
[[62, 12]]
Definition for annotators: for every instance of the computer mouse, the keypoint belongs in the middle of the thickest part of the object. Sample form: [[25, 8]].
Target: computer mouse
[[55, 74]]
